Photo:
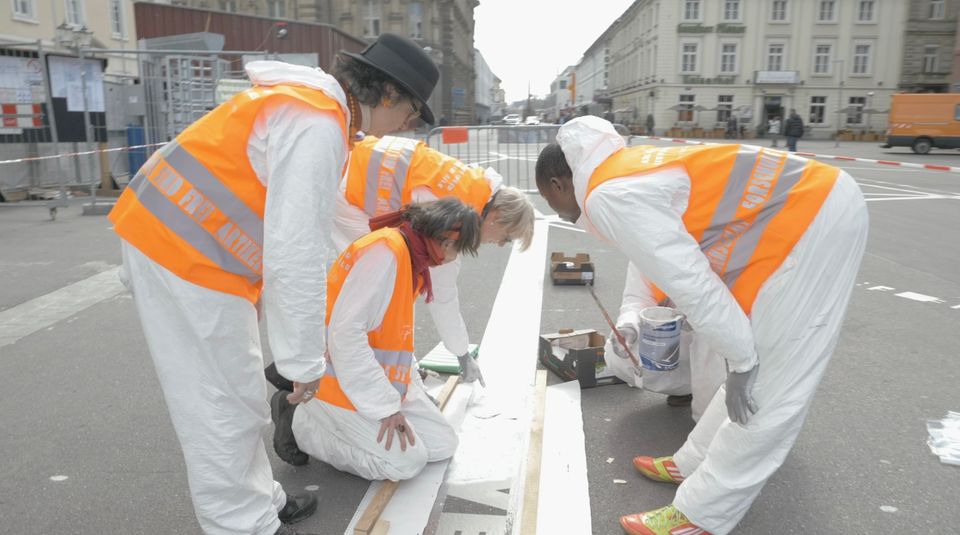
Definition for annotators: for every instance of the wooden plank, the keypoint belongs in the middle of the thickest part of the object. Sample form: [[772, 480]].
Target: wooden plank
[[531, 492], [370, 519]]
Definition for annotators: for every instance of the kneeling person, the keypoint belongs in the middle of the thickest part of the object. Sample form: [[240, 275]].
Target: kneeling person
[[369, 418]]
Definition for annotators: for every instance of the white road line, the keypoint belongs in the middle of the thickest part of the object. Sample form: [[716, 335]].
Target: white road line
[[495, 424], [912, 198], [920, 297], [955, 307], [41, 312], [880, 288]]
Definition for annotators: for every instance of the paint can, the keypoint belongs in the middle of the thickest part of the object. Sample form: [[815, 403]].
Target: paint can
[[660, 338]]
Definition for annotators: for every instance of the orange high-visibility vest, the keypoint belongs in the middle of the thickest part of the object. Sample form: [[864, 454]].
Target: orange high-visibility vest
[[196, 207], [392, 340], [383, 173], [748, 206]]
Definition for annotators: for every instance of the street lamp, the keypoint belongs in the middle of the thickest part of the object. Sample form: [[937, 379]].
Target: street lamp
[[836, 137]]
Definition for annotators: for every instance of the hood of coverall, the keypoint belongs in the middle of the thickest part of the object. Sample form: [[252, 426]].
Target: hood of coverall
[[586, 142], [277, 72]]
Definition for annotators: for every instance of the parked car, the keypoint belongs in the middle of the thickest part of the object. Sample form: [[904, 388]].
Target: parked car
[[511, 118], [923, 121], [531, 120]]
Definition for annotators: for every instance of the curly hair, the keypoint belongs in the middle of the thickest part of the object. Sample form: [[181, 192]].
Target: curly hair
[[435, 219], [551, 164], [368, 84]]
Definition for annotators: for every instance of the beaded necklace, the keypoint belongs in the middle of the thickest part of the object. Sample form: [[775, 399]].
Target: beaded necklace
[[354, 105]]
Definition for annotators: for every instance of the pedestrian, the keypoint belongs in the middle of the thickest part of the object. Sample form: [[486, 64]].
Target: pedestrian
[[233, 215], [793, 130], [650, 125], [731, 132], [773, 127], [372, 417], [763, 274]]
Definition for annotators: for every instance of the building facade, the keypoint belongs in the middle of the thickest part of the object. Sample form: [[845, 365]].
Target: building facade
[[694, 63], [65, 25], [489, 95], [930, 38], [592, 78], [562, 94]]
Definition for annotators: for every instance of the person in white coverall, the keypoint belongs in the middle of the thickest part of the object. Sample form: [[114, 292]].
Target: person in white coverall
[[759, 249], [506, 215], [242, 200], [372, 417]]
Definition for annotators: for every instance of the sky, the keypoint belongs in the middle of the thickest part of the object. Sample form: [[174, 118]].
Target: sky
[[533, 40]]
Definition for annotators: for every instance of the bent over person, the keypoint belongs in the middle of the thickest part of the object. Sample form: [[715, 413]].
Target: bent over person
[[240, 202], [760, 250], [387, 173], [370, 418]]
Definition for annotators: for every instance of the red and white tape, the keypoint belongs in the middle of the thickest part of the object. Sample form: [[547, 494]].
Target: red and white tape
[[927, 166], [81, 153]]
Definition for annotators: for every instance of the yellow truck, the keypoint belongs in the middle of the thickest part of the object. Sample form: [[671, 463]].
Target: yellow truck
[[923, 121]]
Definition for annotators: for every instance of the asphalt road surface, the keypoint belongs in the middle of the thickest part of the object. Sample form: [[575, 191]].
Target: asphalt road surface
[[87, 446]]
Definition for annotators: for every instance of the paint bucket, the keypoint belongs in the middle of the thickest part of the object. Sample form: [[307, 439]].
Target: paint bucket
[[660, 338]]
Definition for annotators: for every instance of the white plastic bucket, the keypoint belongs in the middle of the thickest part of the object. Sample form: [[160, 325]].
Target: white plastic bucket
[[660, 338]]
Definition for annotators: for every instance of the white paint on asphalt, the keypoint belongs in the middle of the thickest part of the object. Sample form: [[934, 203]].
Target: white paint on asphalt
[[955, 307], [920, 297], [44, 311], [311, 488], [564, 501], [888, 509], [881, 288], [59, 478], [468, 524]]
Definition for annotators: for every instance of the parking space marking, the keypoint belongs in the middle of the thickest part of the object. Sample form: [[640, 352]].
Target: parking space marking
[[920, 297], [42, 312]]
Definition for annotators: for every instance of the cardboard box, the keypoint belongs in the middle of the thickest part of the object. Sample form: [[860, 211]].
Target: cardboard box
[[576, 269], [576, 354]]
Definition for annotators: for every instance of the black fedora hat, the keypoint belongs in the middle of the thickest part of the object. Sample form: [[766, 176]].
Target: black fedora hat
[[407, 63]]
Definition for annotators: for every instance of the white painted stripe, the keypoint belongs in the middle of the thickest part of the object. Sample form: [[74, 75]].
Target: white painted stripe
[[955, 307], [494, 426], [471, 524], [881, 288], [914, 198], [564, 501], [565, 226], [41, 312], [920, 297]]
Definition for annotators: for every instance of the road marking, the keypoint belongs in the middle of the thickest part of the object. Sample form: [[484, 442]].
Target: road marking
[[42, 312], [955, 307], [920, 297], [881, 288]]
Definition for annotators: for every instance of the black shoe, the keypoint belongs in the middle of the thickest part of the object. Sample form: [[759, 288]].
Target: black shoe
[[680, 401], [287, 530], [284, 443], [299, 507]]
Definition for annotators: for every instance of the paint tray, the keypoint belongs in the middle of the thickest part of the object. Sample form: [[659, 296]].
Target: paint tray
[[576, 355], [442, 361], [566, 270]]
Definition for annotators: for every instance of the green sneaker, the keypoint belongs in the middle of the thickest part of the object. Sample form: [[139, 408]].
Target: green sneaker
[[664, 521]]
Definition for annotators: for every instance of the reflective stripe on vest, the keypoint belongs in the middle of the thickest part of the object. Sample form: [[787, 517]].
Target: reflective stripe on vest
[[201, 211], [383, 173], [387, 174], [392, 341], [748, 205], [196, 207]]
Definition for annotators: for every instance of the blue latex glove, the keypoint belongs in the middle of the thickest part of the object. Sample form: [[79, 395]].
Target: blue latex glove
[[740, 404]]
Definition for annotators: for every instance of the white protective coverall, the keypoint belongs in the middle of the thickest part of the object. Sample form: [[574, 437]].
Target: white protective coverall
[[350, 223], [793, 330], [347, 439], [206, 344]]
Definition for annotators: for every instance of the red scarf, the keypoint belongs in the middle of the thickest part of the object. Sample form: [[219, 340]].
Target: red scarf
[[424, 252]]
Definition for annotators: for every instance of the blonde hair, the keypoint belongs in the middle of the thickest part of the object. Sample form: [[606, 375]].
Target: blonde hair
[[514, 213]]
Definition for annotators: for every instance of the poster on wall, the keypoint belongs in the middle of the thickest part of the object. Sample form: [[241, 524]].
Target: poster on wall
[[21, 80], [69, 75]]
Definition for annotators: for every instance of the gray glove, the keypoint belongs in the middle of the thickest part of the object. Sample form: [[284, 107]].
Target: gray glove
[[470, 370], [630, 335], [740, 404]]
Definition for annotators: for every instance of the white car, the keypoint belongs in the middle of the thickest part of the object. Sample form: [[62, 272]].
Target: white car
[[511, 119], [532, 120]]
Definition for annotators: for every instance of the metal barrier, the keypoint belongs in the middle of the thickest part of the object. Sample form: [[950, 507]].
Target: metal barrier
[[510, 150]]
